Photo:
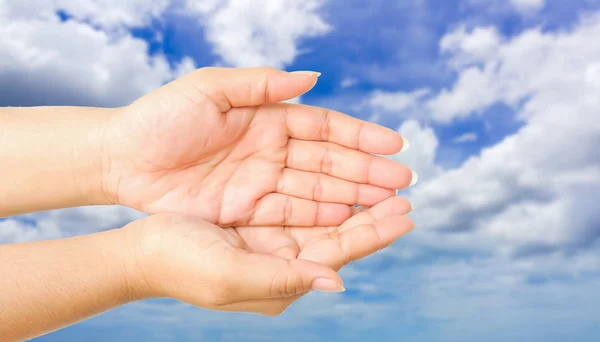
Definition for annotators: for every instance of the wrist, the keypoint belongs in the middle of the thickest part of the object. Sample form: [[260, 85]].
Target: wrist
[[140, 244], [91, 176], [119, 274]]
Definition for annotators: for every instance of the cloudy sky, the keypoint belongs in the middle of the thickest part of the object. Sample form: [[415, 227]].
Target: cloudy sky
[[500, 100]]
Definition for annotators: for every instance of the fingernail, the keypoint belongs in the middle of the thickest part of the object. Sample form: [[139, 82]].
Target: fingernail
[[306, 72], [327, 285], [405, 144], [415, 178]]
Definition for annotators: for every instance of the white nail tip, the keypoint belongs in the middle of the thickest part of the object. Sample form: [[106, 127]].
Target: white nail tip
[[306, 72], [405, 144], [415, 178]]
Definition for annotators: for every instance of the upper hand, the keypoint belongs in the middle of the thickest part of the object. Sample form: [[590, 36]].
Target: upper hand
[[235, 269], [216, 145]]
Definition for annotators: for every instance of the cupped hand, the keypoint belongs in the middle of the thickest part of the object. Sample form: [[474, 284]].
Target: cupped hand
[[369, 230], [218, 145], [234, 269]]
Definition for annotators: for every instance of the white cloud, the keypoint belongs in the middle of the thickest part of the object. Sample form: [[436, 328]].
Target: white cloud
[[422, 151], [259, 33], [348, 82], [108, 14], [63, 223], [534, 190], [38, 48], [465, 138], [481, 43], [403, 104], [94, 66], [528, 6], [525, 8], [528, 64]]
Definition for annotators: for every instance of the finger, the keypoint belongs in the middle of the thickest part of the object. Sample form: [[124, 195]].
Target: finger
[[324, 188], [259, 276], [361, 235], [242, 87], [390, 207], [364, 240], [269, 240], [344, 163], [283, 210], [320, 124], [340, 248]]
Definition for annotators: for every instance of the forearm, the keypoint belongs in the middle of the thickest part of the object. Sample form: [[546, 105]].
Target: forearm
[[51, 158], [48, 285]]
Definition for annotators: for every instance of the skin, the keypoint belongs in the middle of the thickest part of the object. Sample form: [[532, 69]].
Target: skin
[[213, 144], [48, 285], [252, 198]]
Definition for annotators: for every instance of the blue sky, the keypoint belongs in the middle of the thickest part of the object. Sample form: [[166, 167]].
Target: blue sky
[[498, 98]]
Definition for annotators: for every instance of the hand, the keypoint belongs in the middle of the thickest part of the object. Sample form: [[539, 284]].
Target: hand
[[234, 270], [215, 145]]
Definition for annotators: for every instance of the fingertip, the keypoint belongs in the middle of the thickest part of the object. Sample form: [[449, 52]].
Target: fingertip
[[320, 277], [405, 144], [391, 206], [370, 195], [327, 285], [383, 140], [296, 84], [392, 228]]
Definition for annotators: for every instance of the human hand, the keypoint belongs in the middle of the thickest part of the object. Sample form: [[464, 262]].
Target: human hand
[[369, 230], [235, 270], [215, 144]]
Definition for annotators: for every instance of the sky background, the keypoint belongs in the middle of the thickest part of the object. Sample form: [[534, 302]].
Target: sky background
[[500, 100]]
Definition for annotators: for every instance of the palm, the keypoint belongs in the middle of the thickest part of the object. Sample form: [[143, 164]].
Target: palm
[[269, 165]]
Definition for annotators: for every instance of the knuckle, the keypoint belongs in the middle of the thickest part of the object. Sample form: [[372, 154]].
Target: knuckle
[[318, 189], [326, 161], [287, 285]]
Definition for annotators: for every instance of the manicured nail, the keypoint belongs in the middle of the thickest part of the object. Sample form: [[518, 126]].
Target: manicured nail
[[415, 178], [405, 144], [305, 72], [327, 285]]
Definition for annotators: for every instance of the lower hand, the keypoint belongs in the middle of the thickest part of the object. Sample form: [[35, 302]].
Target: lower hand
[[235, 269]]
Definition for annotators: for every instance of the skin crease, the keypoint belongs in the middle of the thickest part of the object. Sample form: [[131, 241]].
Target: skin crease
[[251, 198]]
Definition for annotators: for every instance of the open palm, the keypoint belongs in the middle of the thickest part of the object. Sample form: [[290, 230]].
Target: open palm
[[216, 144]]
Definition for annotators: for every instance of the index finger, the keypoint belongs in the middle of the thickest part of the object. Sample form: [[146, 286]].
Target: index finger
[[321, 124]]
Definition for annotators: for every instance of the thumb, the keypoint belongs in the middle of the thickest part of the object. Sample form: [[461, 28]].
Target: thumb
[[261, 276], [244, 87]]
